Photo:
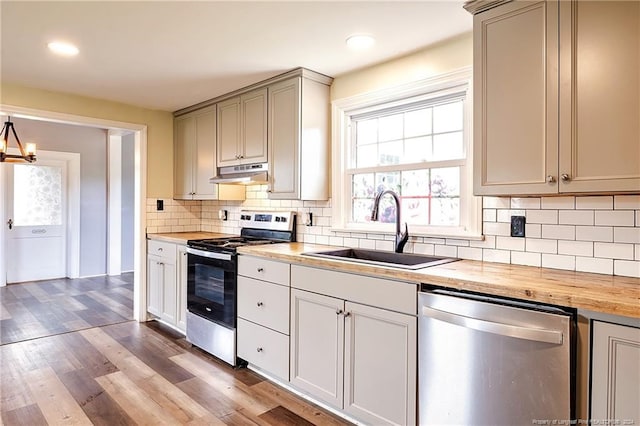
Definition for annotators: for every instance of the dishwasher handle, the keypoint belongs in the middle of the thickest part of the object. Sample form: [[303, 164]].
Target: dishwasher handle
[[527, 333]]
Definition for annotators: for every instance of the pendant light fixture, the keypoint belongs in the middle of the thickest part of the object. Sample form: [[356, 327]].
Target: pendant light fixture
[[27, 153]]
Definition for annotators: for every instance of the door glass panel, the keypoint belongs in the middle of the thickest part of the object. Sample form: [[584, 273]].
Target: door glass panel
[[37, 195]]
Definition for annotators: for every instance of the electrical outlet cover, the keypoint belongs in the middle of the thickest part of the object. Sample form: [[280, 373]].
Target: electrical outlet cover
[[159, 205], [517, 226]]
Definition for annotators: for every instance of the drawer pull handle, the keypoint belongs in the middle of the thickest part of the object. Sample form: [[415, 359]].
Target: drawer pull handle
[[260, 269], [259, 349], [259, 304]]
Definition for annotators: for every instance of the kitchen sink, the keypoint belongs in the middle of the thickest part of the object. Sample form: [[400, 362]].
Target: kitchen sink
[[383, 258]]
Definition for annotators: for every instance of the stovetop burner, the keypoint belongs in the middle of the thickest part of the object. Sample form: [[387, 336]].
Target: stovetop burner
[[226, 244]]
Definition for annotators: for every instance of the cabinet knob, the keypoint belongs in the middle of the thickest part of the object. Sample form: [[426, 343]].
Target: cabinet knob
[[551, 179], [160, 249], [259, 349], [347, 314], [565, 177], [259, 304], [268, 190], [339, 312], [260, 269]]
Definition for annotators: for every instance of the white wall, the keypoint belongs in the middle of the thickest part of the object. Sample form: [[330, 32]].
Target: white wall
[[128, 199]]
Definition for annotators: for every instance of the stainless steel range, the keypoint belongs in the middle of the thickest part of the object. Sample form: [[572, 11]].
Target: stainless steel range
[[212, 279]]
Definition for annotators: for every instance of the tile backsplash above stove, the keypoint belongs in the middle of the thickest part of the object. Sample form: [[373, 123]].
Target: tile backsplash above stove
[[598, 234]]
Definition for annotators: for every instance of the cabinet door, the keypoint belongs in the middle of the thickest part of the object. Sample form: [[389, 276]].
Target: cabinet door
[[228, 132], [204, 158], [254, 127], [380, 365], [317, 333], [183, 271], [284, 138], [600, 96], [169, 296], [516, 99], [184, 141], [615, 373], [154, 285]]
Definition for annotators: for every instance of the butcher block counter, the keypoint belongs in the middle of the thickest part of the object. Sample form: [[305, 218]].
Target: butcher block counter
[[595, 292], [183, 237]]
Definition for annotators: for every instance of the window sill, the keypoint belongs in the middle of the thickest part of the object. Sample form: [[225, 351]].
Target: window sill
[[470, 236]]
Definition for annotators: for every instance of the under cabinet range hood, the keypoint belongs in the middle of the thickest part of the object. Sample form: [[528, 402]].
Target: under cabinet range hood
[[245, 174]]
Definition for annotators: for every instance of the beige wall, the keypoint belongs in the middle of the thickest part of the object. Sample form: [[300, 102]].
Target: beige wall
[[446, 56], [159, 126]]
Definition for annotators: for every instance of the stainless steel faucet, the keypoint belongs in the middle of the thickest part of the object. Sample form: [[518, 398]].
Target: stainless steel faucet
[[401, 237]]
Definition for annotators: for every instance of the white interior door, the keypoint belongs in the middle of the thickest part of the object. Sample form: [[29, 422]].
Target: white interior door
[[36, 203]]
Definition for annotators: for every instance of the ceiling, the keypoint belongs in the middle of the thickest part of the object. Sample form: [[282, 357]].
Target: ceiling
[[168, 55]]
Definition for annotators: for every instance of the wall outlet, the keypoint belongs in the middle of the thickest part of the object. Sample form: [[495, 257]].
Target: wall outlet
[[517, 226], [308, 219], [222, 214], [159, 205]]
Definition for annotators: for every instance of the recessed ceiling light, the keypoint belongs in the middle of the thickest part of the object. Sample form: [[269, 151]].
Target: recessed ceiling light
[[360, 41], [62, 48]]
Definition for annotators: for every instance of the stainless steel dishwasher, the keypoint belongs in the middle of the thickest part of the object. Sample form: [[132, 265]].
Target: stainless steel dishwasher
[[488, 361]]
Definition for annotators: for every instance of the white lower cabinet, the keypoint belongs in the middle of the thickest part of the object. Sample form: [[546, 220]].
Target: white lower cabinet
[[615, 374], [357, 358], [166, 282]]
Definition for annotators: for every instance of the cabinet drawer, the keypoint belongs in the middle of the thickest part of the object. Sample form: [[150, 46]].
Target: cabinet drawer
[[264, 348], [264, 303], [162, 249], [262, 269]]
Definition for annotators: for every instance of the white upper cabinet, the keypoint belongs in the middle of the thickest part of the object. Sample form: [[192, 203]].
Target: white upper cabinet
[[195, 158], [242, 129], [556, 105], [299, 147]]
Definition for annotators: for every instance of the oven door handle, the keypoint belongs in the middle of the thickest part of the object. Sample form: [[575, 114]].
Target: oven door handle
[[209, 254]]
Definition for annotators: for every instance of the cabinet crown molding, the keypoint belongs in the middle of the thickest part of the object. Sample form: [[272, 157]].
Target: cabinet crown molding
[[477, 6]]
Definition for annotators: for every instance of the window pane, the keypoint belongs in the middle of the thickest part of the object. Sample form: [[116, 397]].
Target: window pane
[[361, 210], [445, 211], [415, 211], [389, 180], [445, 182], [417, 150], [415, 183], [390, 152], [367, 131], [391, 127], [363, 185], [448, 146], [447, 117], [417, 123], [37, 195], [367, 156]]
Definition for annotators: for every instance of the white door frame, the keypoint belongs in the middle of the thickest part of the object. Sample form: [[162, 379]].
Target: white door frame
[[140, 178]]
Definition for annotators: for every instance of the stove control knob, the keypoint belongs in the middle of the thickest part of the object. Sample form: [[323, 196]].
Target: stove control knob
[[283, 219], [277, 218]]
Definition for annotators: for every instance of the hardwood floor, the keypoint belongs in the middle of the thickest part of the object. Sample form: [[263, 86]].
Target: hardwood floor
[[45, 308], [126, 373]]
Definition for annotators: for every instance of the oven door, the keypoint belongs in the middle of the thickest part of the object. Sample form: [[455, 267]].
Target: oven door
[[212, 286]]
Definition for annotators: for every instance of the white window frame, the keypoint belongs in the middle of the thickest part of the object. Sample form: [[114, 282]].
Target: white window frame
[[431, 88]]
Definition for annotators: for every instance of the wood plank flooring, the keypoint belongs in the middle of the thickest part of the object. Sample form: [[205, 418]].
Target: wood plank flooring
[[45, 308], [126, 373]]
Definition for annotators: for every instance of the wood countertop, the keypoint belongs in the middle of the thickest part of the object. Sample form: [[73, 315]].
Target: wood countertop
[[183, 237], [595, 292]]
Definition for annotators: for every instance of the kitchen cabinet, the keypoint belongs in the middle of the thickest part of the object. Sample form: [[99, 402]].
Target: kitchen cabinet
[[263, 315], [167, 283], [242, 129], [615, 373], [195, 158], [555, 97], [299, 148], [355, 357]]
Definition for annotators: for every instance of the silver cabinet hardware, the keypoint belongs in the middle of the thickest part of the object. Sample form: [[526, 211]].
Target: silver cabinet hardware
[[551, 179], [565, 177]]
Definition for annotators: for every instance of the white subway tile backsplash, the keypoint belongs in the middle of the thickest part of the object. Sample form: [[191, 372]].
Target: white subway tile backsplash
[[559, 232], [526, 258], [351, 242], [505, 215], [557, 261], [576, 217], [322, 239], [626, 202], [510, 243], [594, 233], [615, 218], [367, 244], [489, 215], [499, 256], [525, 203], [454, 242], [384, 245], [575, 248], [489, 241], [533, 230], [336, 241], [613, 251], [496, 202], [638, 218], [496, 228], [626, 235], [537, 245], [626, 268], [594, 203], [558, 203], [421, 248], [470, 253], [542, 216], [595, 265], [449, 251], [637, 257]]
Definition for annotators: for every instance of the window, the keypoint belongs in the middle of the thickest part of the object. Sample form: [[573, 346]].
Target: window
[[414, 141]]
